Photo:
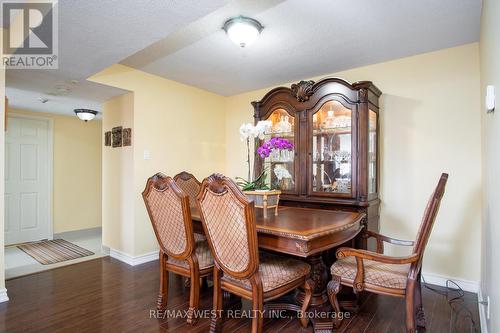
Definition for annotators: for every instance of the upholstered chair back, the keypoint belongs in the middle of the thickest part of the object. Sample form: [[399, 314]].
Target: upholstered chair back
[[189, 184], [170, 215], [229, 222], [430, 213]]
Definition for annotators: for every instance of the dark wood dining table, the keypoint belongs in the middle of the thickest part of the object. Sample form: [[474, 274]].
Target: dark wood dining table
[[305, 233]]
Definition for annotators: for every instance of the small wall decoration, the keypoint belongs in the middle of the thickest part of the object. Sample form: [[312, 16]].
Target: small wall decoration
[[127, 137], [107, 138], [117, 136]]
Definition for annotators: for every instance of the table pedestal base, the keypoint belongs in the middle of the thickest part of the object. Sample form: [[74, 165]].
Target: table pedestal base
[[320, 303]]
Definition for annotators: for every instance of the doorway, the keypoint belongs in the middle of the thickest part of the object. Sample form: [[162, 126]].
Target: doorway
[[28, 179]]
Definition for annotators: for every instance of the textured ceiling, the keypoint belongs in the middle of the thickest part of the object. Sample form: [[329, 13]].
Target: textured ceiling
[[303, 39], [95, 34], [182, 40]]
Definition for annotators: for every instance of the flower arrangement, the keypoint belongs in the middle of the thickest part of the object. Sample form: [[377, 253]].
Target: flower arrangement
[[250, 132], [274, 144]]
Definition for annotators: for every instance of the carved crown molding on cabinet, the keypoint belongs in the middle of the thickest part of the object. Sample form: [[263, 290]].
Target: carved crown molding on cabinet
[[303, 90]]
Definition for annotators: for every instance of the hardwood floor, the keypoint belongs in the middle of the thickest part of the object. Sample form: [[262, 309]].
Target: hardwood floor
[[105, 295]]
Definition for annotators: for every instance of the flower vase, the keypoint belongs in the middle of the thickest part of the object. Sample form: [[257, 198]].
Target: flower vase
[[265, 199]]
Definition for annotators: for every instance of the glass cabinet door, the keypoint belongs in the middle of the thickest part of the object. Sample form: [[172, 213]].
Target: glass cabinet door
[[372, 152], [332, 142], [277, 151]]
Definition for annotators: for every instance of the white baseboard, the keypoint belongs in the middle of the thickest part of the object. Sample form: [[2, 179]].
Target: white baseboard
[[133, 260], [440, 280], [3, 295], [482, 312]]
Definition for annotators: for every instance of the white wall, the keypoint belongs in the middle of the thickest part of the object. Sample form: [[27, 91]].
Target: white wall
[[490, 74]]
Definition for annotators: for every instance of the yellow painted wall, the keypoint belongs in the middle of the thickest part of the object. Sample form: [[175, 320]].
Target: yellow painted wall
[[490, 75], [181, 126], [118, 178], [76, 171], [430, 123]]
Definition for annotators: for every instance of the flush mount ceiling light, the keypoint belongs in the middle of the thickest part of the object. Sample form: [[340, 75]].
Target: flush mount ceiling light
[[243, 31], [85, 114]]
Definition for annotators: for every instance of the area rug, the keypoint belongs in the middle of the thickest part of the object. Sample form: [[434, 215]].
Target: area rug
[[48, 252]]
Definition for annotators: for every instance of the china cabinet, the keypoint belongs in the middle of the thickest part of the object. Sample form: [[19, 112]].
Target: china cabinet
[[331, 128]]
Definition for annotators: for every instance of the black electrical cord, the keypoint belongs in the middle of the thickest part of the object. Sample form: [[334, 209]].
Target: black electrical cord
[[455, 298]]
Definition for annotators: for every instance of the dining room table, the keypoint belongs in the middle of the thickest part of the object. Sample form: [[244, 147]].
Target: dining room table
[[305, 233]]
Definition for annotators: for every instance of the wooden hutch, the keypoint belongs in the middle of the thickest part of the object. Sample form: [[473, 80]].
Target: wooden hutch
[[334, 128]]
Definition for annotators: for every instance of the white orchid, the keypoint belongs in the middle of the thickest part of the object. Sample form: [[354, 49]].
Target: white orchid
[[248, 131]]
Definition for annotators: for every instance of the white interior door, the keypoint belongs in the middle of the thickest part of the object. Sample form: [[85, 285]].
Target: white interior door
[[28, 180]]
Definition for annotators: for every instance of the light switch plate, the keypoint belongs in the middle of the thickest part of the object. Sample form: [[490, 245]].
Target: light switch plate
[[147, 155]]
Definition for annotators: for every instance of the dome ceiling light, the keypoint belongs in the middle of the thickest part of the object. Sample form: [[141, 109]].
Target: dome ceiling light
[[85, 114], [242, 31]]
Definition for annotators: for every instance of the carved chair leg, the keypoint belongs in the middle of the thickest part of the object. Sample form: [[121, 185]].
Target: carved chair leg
[[308, 290], [257, 310], [194, 297], [216, 322], [161, 302], [410, 306], [419, 305], [333, 288]]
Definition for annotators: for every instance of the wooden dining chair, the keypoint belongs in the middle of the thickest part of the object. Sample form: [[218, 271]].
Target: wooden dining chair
[[191, 186], [229, 223], [170, 215], [388, 275]]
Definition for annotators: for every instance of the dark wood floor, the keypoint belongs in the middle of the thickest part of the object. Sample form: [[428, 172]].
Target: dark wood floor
[[105, 295]]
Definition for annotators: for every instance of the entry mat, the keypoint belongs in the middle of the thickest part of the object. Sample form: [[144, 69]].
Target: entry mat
[[48, 252]]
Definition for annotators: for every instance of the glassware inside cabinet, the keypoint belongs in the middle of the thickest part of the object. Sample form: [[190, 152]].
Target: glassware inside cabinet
[[331, 157], [277, 151], [372, 152]]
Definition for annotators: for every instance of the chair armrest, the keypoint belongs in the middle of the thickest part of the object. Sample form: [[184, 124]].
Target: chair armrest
[[359, 279], [364, 254], [381, 238]]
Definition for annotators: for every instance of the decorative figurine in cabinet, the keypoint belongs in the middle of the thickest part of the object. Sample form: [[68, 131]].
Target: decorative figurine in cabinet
[[333, 126]]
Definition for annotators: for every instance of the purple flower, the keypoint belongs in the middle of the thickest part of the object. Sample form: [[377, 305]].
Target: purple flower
[[274, 144]]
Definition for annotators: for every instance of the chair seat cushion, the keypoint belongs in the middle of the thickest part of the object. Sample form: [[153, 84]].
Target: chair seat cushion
[[275, 271], [376, 273], [205, 259]]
